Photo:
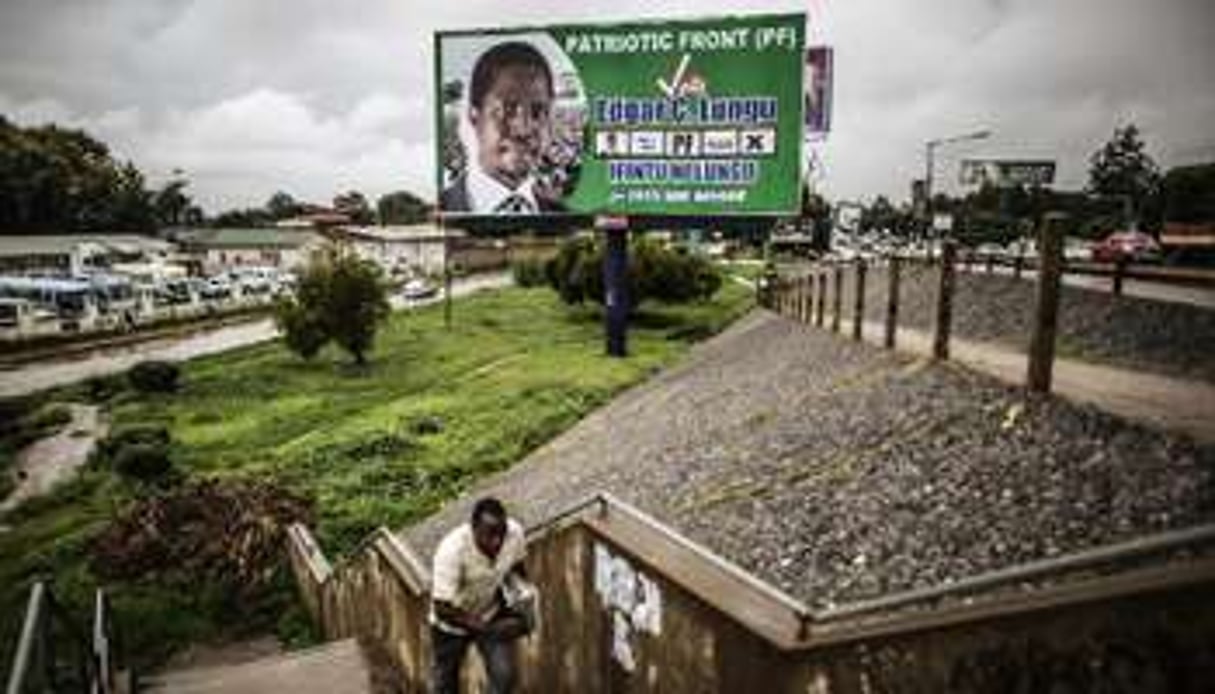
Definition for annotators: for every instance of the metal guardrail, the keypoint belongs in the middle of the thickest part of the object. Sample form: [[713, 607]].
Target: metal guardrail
[[49, 636]]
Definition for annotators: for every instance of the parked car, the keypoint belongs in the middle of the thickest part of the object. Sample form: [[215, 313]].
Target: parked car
[[419, 289], [1077, 250], [217, 287], [1132, 246]]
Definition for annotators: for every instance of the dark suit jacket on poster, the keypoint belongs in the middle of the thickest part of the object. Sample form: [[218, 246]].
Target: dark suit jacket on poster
[[454, 198]]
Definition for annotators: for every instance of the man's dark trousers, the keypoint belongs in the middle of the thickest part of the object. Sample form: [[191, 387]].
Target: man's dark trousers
[[497, 653]]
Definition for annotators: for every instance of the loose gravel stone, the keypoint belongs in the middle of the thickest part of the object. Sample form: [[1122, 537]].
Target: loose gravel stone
[[838, 471]]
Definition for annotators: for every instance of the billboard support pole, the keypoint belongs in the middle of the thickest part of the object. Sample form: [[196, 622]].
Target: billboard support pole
[[615, 284], [446, 274]]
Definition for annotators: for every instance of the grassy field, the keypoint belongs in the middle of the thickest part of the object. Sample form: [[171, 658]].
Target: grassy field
[[436, 410]]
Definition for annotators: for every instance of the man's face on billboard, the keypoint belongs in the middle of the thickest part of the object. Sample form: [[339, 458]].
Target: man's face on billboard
[[513, 123]]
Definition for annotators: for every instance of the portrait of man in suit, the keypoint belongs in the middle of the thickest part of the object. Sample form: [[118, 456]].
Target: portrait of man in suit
[[509, 109]]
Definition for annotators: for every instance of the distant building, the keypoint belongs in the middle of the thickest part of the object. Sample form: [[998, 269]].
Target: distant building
[[68, 255], [216, 250], [397, 249], [314, 217]]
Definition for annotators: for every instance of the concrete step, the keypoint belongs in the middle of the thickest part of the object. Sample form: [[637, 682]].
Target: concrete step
[[337, 667]]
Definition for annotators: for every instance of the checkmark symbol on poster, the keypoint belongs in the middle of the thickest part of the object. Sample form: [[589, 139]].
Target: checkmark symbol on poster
[[672, 89]]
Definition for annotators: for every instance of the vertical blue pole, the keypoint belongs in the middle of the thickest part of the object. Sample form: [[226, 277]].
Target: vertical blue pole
[[616, 291]]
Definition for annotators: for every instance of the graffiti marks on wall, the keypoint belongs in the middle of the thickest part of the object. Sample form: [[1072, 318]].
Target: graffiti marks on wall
[[633, 602]]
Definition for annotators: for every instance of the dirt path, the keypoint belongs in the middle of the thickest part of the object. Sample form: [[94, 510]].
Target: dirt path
[[46, 463]]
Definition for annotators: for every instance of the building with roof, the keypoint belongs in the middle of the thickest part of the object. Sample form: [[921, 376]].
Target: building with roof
[[217, 250], [77, 254], [409, 249]]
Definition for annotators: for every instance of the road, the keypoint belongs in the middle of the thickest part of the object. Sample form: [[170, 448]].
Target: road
[[1143, 289], [30, 378]]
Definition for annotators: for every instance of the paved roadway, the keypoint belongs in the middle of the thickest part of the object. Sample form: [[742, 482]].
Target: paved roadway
[[29, 378], [1143, 289]]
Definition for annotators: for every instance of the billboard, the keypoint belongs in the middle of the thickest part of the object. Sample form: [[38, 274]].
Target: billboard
[[820, 68], [691, 117], [1007, 172]]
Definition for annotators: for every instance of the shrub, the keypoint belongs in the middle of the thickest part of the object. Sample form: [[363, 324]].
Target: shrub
[[655, 272], [108, 449], [302, 330], [154, 377], [101, 389], [146, 463], [529, 272], [339, 297]]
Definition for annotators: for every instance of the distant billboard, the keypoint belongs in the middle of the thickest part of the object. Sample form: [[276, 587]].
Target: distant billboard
[[696, 117], [820, 76], [1007, 172]]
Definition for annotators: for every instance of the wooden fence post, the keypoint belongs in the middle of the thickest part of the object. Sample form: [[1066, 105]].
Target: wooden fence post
[[820, 311], [858, 301], [811, 297], [1119, 274], [1050, 271], [804, 312], [940, 343], [837, 300], [892, 301]]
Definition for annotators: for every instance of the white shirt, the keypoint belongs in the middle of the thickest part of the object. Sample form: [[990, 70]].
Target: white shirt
[[486, 193], [467, 579]]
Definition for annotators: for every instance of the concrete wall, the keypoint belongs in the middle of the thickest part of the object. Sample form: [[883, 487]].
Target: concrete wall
[[628, 606]]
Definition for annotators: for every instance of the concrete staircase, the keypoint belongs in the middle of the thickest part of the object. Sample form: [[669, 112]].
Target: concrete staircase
[[334, 668]]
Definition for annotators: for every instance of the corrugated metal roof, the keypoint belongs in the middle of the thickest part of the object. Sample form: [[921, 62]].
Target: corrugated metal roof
[[62, 244], [264, 237]]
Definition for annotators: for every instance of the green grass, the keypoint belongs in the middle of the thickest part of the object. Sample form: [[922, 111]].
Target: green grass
[[750, 270], [436, 410]]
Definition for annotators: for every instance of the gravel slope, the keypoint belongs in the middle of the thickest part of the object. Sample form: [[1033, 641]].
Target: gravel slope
[[1161, 337], [838, 471]]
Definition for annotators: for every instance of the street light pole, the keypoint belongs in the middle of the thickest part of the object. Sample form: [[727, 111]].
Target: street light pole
[[929, 150]]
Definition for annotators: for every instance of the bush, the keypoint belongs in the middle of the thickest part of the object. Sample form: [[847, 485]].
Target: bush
[[339, 297], [146, 463], [303, 332], [101, 389], [108, 449], [655, 272], [529, 272], [154, 377]]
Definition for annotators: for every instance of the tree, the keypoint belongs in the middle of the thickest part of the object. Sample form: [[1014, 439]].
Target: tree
[[172, 204], [251, 217], [339, 297], [1189, 194], [57, 180], [281, 206], [402, 207], [1123, 169], [354, 205]]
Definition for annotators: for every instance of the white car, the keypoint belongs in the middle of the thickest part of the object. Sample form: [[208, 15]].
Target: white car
[[418, 289]]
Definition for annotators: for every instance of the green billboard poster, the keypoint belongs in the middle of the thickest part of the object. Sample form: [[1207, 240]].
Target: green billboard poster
[[690, 117]]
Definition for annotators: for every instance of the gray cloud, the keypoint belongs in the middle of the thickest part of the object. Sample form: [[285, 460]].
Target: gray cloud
[[311, 97]]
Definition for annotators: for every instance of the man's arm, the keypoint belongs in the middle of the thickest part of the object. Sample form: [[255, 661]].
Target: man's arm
[[455, 616]]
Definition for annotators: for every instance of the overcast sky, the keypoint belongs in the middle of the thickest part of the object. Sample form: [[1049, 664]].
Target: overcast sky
[[314, 97]]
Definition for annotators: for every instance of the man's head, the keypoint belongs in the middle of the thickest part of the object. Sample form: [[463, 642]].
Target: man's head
[[489, 526], [510, 100]]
